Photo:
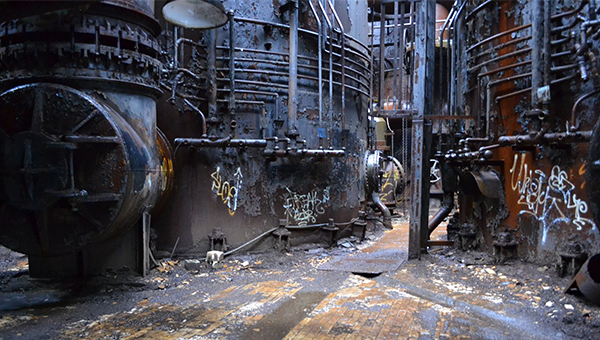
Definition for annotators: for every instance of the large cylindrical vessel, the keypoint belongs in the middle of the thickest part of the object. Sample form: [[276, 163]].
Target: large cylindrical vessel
[[282, 142], [80, 161]]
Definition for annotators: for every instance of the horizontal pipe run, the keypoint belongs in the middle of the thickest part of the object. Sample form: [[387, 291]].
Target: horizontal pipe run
[[305, 31], [226, 142], [547, 138], [285, 86], [501, 34], [284, 55], [526, 90], [304, 153], [284, 74]]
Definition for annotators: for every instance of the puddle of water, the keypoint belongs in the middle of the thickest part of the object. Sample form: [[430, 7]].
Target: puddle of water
[[280, 322]]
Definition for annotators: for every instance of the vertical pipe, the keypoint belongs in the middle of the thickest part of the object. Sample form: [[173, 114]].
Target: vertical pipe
[[537, 45], [371, 107], [402, 52], [396, 58], [231, 65], [293, 70], [175, 50], [330, 110], [211, 72], [547, 53], [343, 63], [320, 57], [381, 100]]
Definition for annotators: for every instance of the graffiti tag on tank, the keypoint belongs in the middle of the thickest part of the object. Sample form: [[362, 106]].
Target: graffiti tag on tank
[[227, 190], [548, 197], [304, 209]]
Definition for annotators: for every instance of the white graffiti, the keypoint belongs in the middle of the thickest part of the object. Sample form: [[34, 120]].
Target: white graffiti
[[435, 173], [226, 191], [304, 209], [548, 197]]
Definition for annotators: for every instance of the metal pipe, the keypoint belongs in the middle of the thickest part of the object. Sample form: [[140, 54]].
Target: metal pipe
[[230, 14], [380, 99], [180, 73], [343, 62], [477, 9], [537, 52], [446, 22], [556, 81], [224, 142], [330, 109], [507, 32], [525, 63], [293, 70], [453, 49], [445, 210], [395, 67], [387, 216], [268, 232], [197, 110], [301, 30], [211, 72], [402, 53], [545, 138], [574, 125], [504, 56], [304, 153], [175, 46], [320, 42]]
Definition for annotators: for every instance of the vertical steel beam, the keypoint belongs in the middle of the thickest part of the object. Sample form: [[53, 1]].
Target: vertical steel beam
[[422, 99]]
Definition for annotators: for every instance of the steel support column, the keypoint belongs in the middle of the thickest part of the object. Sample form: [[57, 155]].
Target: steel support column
[[422, 99]]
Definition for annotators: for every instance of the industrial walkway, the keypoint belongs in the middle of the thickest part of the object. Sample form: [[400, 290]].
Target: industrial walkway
[[287, 296]]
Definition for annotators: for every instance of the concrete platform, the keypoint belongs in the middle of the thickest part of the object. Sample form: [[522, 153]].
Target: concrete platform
[[286, 296]]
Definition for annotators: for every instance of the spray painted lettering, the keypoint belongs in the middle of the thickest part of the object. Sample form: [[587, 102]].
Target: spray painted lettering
[[305, 208], [227, 191], [548, 197]]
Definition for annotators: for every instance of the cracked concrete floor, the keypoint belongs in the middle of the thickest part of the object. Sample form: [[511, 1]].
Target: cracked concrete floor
[[286, 296]]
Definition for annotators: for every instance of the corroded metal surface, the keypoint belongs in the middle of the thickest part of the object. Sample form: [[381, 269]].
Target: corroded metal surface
[[74, 170], [80, 151], [533, 108], [285, 132]]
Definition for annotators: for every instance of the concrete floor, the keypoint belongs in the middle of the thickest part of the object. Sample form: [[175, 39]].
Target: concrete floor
[[446, 295]]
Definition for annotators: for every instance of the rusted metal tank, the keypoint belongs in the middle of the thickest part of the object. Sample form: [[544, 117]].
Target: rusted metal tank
[[79, 144], [286, 123], [530, 107]]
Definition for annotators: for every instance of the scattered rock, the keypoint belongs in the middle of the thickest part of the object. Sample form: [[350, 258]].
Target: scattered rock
[[569, 307], [192, 265], [490, 271], [549, 304]]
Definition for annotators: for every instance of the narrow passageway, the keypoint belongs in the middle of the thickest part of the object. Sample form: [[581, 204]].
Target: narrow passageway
[[445, 295]]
